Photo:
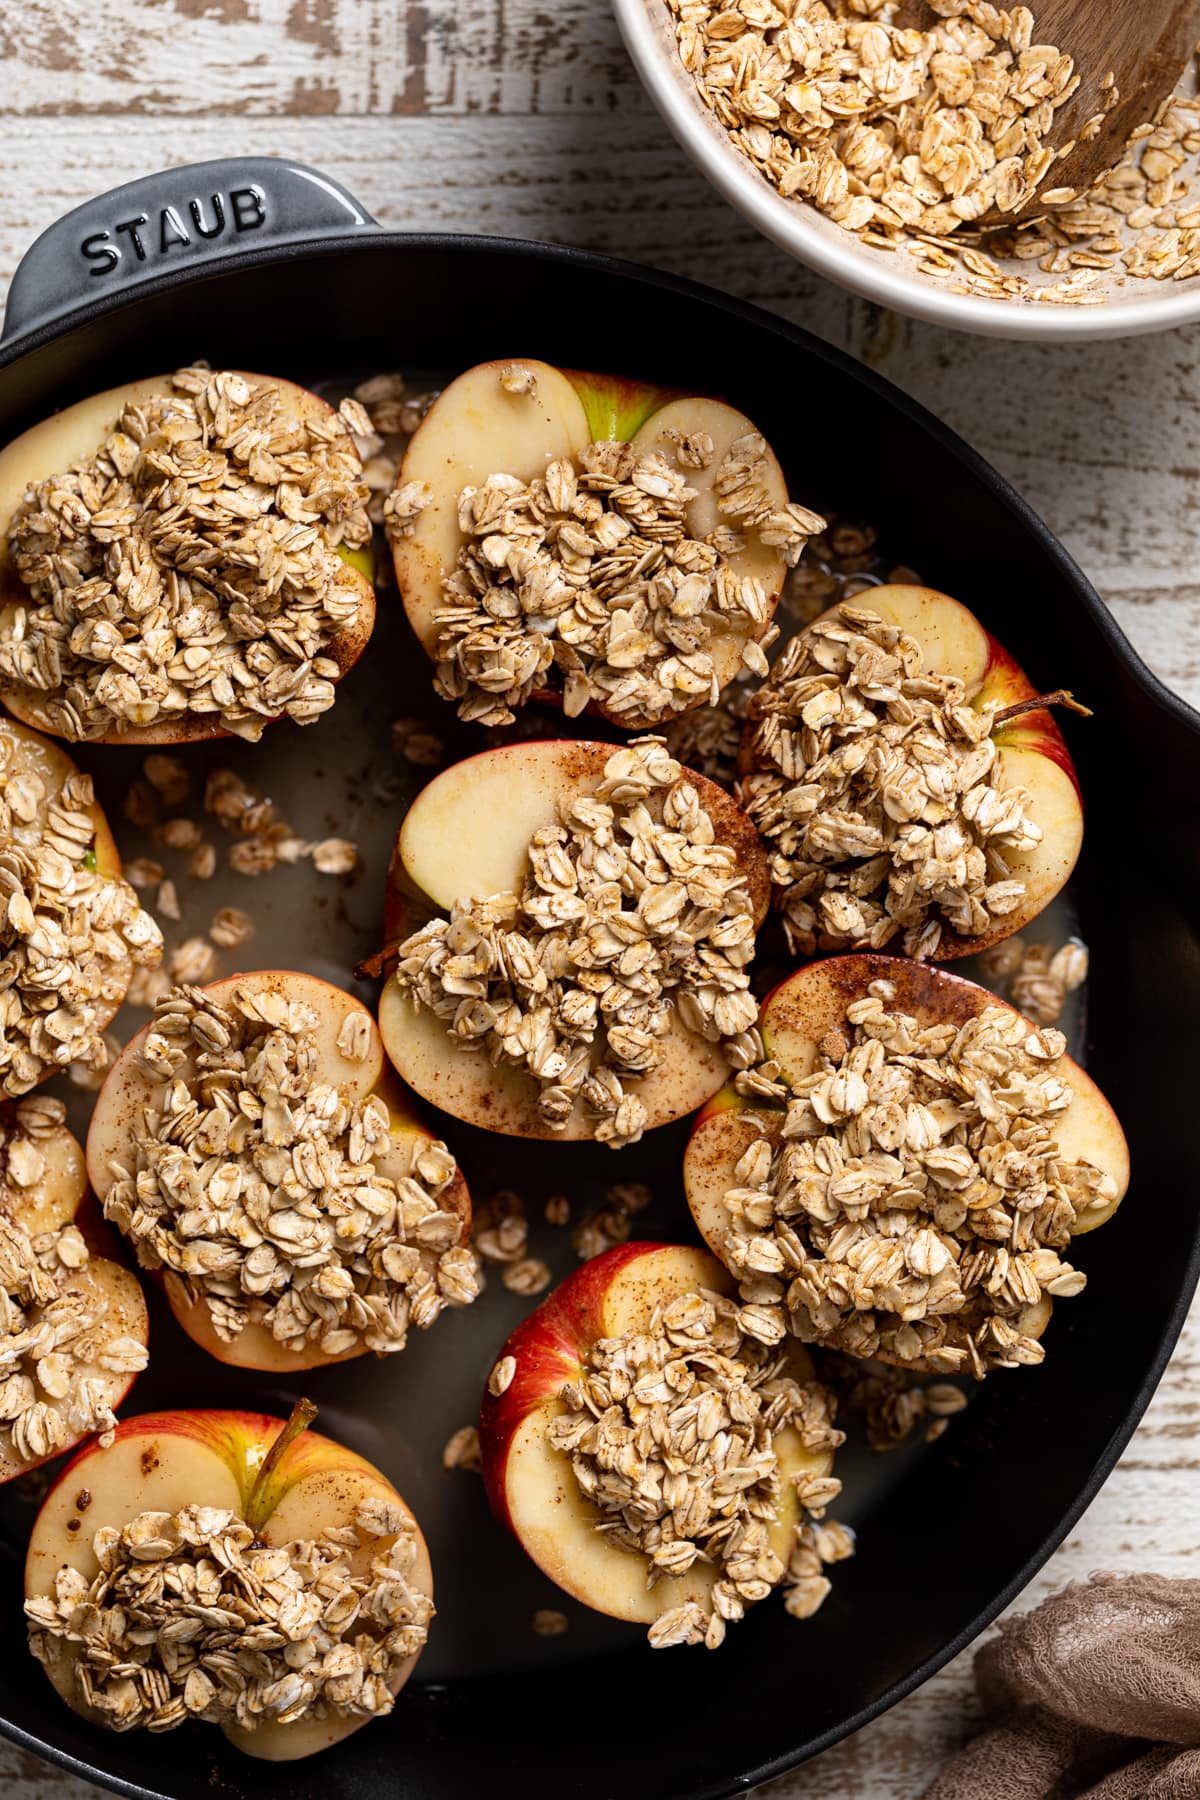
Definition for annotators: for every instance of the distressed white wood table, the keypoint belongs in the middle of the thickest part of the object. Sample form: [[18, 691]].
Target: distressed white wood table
[[524, 117]]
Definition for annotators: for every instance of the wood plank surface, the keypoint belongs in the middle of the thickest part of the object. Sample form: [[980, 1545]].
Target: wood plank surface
[[522, 116]]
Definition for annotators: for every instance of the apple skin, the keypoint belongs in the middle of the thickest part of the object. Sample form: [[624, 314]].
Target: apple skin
[[555, 1525], [991, 675], [61, 1198], [441, 854], [576, 406], [50, 447], [812, 1001], [125, 1090], [167, 1460]]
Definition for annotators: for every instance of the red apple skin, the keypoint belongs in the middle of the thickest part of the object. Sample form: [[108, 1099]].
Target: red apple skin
[[1007, 682], [189, 728], [548, 1347]]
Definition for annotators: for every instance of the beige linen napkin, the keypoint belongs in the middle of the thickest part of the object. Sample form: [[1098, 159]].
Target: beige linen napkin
[[1094, 1696]]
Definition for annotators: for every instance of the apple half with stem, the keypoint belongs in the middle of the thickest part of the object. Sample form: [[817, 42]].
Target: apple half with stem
[[532, 1486], [289, 1484], [129, 1092], [47, 1211], [1032, 752], [467, 836], [486, 423], [52, 447], [804, 1016]]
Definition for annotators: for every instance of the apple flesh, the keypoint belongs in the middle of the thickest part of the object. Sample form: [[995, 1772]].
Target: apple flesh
[[799, 1015], [56, 1198], [1032, 751], [163, 1462], [128, 1091], [76, 433], [532, 1486], [466, 837], [477, 428]]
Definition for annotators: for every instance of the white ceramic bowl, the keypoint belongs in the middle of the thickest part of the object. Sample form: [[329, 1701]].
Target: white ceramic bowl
[[888, 277]]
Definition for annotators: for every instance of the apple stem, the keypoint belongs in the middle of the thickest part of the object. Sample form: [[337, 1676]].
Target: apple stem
[[1060, 697], [301, 1417]]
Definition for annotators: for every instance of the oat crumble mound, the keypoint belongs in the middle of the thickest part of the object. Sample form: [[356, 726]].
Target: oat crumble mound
[[56, 1342], [70, 935], [672, 1435], [190, 1617], [588, 579], [630, 910], [912, 1203], [877, 791], [190, 565], [256, 1183]]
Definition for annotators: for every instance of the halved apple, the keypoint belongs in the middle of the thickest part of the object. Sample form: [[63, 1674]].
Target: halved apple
[[483, 425], [69, 437], [40, 769], [804, 1017], [130, 1093], [165, 1462], [532, 1486], [466, 836], [44, 1361], [1032, 751]]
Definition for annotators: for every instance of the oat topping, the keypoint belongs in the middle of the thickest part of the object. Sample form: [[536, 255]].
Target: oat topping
[[611, 1223], [191, 1617], [891, 1402], [588, 580], [190, 565], [70, 934], [914, 1204], [877, 790], [257, 1183], [58, 1347], [672, 1435], [547, 1621], [630, 908], [907, 137]]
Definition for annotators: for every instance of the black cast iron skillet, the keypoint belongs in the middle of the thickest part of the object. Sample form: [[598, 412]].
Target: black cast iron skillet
[[294, 279]]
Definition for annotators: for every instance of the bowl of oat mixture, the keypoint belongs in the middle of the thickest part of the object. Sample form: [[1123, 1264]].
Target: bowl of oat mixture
[[871, 163]]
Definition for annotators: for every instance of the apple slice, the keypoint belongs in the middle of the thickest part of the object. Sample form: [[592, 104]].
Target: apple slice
[[802, 1021], [467, 836], [1032, 752], [71, 436], [164, 1463], [132, 1094], [532, 1486], [504, 418], [34, 772], [71, 1315]]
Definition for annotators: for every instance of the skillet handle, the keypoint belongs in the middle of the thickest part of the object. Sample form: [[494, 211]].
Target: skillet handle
[[202, 215]]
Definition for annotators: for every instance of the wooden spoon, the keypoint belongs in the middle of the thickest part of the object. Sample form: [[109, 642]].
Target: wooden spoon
[[1145, 44]]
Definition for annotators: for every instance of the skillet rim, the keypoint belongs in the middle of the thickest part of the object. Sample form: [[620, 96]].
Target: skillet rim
[[793, 338]]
